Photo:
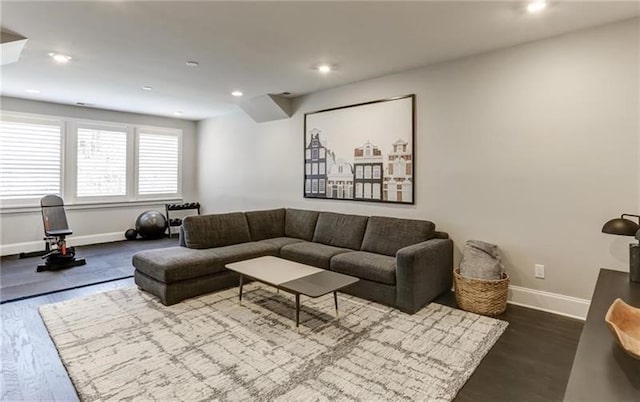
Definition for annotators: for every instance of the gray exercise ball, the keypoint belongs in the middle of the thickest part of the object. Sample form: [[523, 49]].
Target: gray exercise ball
[[151, 225]]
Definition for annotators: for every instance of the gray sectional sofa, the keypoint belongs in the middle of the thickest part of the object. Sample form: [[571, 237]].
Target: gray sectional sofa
[[401, 263]]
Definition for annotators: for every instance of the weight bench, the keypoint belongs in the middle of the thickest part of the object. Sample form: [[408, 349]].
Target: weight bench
[[56, 229]]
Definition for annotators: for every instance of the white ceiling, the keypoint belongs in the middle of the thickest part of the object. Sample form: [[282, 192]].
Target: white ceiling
[[257, 47]]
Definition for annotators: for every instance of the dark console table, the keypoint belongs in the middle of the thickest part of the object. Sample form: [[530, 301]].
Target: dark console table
[[601, 370]]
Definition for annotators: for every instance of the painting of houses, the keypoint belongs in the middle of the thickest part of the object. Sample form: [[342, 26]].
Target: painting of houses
[[361, 152]]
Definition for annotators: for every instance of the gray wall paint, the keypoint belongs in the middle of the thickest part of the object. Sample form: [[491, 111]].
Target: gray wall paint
[[532, 147], [27, 226]]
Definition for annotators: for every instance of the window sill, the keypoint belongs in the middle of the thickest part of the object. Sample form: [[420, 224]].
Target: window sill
[[27, 209]]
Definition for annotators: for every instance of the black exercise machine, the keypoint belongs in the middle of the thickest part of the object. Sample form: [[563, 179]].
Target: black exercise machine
[[56, 228]]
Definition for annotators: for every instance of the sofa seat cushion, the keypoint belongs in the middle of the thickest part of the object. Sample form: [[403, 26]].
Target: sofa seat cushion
[[216, 230], [314, 254], [175, 264], [266, 224], [388, 235], [374, 267], [280, 242], [340, 230]]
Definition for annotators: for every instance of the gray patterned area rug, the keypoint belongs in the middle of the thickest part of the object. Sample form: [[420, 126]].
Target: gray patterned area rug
[[123, 344]]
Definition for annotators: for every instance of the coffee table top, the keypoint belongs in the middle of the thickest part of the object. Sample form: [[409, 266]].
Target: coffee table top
[[321, 283], [272, 270], [294, 276]]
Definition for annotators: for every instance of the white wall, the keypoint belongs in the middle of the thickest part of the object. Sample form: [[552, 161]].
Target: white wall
[[532, 147], [22, 231]]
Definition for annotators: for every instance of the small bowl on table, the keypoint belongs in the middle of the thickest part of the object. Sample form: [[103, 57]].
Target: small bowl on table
[[623, 321]]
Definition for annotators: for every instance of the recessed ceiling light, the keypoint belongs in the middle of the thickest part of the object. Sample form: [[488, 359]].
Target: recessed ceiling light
[[60, 58], [147, 88], [192, 63], [324, 68], [536, 6], [33, 91], [237, 93], [178, 113], [84, 104]]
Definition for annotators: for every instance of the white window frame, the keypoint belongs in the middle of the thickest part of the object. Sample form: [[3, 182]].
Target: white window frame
[[35, 119], [156, 131], [68, 158]]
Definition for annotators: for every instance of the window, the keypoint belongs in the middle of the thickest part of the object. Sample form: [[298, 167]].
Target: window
[[314, 154], [30, 159], [101, 163], [359, 172], [376, 171], [85, 161], [367, 172], [158, 162]]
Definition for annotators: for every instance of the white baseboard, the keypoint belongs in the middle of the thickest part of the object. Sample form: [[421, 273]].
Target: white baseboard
[[550, 302], [17, 248]]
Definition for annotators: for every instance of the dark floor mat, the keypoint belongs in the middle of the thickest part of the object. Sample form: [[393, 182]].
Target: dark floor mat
[[105, 262]]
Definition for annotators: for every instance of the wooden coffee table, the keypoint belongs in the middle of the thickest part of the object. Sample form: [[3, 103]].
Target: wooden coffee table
[[292, 277]]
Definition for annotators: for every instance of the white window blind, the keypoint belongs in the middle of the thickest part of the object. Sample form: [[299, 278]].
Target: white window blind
[[102, 163], [158, 158], [30, 160]]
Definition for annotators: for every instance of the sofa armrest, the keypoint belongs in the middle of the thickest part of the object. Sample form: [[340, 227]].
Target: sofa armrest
[[423, 272]]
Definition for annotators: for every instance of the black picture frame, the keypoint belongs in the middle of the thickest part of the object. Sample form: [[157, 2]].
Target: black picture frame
[[357, 167]]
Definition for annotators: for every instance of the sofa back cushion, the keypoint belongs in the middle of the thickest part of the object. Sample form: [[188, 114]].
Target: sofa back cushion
[[207, 231], [266, 224], [300, 223], [388, 235], [340, 230]]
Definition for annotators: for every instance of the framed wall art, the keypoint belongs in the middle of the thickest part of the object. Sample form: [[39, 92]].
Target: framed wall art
[[361, 152]]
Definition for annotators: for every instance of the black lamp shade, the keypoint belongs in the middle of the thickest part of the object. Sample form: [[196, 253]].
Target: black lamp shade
[[620, 226]]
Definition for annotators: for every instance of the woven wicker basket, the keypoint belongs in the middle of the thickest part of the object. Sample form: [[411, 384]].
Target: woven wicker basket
[[481, 296]]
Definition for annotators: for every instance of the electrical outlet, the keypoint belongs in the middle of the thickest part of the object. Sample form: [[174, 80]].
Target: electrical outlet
[[539, 271]]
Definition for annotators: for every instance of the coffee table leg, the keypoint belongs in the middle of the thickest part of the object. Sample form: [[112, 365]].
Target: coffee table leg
[[335, 300], [297, 309], [240, 288]]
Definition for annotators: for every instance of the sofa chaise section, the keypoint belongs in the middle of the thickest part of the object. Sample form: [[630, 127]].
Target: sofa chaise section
[[210, 242]]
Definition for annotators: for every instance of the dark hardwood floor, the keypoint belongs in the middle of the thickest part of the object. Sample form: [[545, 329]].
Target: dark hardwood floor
[[530, 362], [19, 279]]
